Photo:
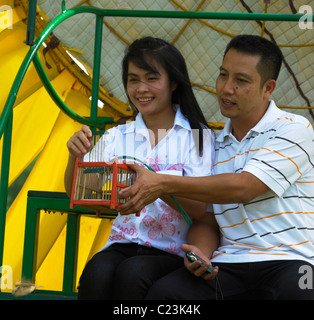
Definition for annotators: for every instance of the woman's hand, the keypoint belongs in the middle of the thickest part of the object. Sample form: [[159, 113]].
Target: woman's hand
[[80, 143]]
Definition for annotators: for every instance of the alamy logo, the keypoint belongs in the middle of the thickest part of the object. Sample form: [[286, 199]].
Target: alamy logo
[[306, 280], [6, 279], [306, 21], [6, 17]]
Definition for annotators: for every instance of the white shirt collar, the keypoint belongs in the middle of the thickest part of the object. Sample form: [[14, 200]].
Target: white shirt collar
[[139, 125]]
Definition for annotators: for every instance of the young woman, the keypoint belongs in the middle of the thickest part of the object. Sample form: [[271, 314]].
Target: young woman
[[171, 135]]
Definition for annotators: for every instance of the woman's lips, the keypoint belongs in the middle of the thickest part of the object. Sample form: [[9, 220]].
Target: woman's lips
[[144, 101]]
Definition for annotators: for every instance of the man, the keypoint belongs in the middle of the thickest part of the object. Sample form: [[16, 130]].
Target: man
[[262, 190]]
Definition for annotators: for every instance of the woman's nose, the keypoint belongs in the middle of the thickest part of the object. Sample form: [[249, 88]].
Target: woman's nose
[[142, 86]]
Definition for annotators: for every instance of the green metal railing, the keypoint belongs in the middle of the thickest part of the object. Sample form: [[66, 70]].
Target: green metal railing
[[53, 202], [6, 118]]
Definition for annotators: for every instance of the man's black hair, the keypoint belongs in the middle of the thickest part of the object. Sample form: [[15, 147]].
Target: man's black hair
[[271, 55]]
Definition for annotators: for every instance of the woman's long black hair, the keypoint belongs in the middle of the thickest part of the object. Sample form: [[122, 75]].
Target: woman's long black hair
[[142, 52]]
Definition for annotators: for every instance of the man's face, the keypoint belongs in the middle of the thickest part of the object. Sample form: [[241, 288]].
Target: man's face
[[240, 95]]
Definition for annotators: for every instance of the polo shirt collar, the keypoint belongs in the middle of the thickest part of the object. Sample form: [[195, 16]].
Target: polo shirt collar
[[271, 112], [226, 131]]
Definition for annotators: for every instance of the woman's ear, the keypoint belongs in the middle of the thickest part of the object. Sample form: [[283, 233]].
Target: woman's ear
[[174, 86]]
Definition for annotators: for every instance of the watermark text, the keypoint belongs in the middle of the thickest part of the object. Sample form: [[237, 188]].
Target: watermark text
[[6, 17], [6, 279], [306, 21], [306, 280]]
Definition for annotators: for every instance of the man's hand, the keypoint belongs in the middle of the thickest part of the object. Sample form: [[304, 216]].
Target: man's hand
[[81, 142], [195, 267], [145, 190]]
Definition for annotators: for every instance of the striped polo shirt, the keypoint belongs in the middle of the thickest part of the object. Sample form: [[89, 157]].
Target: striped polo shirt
[[279, 224]]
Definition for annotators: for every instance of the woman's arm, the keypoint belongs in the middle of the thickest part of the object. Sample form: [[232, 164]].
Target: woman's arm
[[78, 145], [203, 240]]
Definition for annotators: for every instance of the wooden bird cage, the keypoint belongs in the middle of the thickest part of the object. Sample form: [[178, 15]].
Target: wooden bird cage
[[96, 185]]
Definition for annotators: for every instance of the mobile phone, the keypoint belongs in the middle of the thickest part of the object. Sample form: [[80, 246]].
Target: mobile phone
[[193, 257]]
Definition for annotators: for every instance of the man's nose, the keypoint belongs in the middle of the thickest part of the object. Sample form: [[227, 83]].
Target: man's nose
[[229, 86]]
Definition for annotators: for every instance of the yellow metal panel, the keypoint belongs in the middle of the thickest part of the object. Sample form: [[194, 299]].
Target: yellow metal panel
[[47, 175], [33, 120], [12, 51]]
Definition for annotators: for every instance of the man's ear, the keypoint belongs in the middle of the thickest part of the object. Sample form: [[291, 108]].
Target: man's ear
[[269, 88]]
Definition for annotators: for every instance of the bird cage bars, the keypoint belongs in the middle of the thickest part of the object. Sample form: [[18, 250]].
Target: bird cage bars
[[97, 185]]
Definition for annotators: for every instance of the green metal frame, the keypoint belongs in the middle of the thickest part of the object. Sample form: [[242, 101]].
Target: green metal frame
[[53, 202], [6, 118]]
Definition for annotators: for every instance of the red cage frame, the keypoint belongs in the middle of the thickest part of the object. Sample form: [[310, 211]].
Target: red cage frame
[[99, 205]]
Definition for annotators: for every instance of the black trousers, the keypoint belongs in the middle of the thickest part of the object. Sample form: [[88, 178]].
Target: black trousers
[[125, 272], [271, 280]]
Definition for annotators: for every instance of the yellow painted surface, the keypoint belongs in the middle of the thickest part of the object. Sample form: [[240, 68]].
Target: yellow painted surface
[[40, 128]]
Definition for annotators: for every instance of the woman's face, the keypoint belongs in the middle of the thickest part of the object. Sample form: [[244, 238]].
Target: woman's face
[[150, 92]]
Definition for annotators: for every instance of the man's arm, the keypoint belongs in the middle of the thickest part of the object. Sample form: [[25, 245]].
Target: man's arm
[[222, 188], [195, 209]]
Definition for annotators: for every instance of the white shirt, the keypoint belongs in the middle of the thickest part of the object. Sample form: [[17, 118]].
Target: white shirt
[[159, 225], [279, 224]]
